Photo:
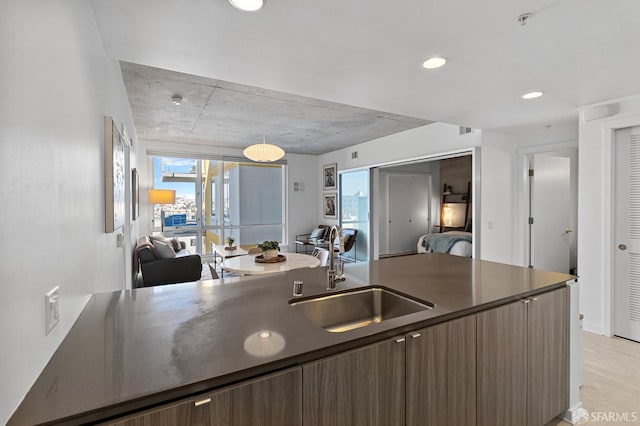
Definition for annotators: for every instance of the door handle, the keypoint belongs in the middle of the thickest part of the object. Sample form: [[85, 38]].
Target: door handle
[[622, 247], [568, 231]]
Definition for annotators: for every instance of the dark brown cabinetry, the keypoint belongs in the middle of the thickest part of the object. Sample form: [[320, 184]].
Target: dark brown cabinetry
[[523, 361], [272, 400], [428, 374], [441, 374], [362, 387]]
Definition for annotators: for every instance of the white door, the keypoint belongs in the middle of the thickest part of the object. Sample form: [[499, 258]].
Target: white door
[[626, 287], [408, 211], [551, 212]]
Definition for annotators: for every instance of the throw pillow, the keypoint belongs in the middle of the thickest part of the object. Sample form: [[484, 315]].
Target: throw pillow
[[164, 250], [317, 233], [175, 244], [157, 238]]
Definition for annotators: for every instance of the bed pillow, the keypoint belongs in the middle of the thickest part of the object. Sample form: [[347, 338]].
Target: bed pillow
[[164, 250]]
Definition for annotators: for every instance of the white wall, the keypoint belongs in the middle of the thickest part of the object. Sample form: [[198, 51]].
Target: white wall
[[595, 223], [56, 86], [498, 198]]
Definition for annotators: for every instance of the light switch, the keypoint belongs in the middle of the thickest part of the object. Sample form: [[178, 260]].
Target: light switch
[[51, 309]]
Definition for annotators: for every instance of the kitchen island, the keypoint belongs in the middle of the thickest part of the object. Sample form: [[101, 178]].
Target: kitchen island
[[132, 351]]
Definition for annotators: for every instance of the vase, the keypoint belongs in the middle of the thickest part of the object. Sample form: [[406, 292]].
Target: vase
[[270, 254]]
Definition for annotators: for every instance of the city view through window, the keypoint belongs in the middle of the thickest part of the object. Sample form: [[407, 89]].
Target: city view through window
[[217, 199]]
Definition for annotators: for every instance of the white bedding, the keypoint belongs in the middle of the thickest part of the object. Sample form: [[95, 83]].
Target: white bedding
[[460, 248]]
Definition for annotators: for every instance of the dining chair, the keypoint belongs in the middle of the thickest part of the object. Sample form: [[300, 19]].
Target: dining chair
[[321, 254]]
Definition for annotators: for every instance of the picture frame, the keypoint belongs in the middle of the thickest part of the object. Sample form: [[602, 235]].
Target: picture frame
[[330, 177], [135, 194], [114, 177], [330, 205]]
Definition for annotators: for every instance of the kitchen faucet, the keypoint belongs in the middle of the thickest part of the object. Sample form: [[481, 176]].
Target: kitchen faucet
[[332, 276]]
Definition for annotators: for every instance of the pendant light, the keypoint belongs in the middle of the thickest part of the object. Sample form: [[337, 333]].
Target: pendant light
[[247, 5], [263, 152]]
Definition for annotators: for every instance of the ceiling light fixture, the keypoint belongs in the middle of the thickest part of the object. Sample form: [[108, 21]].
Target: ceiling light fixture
[[247, 5], [263, 152], [176, 99], [532, 95], [434, 62]]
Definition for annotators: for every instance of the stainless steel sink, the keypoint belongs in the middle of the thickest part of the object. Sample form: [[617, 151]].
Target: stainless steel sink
[[357, 308]]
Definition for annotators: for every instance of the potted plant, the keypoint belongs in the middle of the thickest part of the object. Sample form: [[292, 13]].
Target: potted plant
[[269, 249], [230, 241]]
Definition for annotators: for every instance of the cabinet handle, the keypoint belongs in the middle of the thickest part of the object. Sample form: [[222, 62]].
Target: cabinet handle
[[415, 334], [525, 301], [201, 402], [399, 340], [534, 299]]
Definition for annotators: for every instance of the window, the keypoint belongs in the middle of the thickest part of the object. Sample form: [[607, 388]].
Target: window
[[216, 199]]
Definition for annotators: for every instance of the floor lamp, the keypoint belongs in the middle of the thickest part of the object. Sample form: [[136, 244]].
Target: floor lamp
[[161, 196]]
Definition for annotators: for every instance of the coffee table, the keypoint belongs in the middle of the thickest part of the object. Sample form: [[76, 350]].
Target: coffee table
[[247, 265], [219, 250]]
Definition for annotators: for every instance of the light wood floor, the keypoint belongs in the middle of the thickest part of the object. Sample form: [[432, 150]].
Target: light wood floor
[[610, 377]]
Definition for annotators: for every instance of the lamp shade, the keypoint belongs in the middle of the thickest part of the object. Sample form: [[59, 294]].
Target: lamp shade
[[263, 152], [453, 214], [161, 196]]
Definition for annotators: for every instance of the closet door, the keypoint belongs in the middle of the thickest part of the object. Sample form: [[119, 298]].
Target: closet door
[[627, 234], [408, 197]]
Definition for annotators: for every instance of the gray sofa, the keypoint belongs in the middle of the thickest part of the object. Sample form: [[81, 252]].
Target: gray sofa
[[157, 267]]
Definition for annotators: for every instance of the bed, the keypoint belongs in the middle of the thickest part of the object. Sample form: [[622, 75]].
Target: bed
[[457, 243]]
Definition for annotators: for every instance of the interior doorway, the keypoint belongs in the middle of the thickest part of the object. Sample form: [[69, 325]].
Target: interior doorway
[[626, 257], [550, 209]]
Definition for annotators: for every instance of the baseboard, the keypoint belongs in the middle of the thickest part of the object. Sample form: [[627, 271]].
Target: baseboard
[[593, 328], [575, 415]]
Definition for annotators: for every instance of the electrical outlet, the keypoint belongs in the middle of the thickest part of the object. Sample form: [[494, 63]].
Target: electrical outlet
[[51, 309]]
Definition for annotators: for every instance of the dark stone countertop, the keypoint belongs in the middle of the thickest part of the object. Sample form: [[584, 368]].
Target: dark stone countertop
[[132, 349]]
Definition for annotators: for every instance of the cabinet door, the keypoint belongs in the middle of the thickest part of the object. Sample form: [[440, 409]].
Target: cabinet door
[[209, 409], [548, 359], [275, 399], [502, 365], [441, 374], [362, 387]]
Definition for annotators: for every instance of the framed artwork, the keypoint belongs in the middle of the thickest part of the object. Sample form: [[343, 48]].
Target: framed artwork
[[114, 182], [330, 177], [330, 206], [135, 194]]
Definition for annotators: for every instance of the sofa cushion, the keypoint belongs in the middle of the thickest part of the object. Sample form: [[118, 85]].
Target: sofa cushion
[[164, 250]]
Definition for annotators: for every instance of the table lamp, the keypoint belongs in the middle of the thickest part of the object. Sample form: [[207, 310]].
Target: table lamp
[[161, 196]]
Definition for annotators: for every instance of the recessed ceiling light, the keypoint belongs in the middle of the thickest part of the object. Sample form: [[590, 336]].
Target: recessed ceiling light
[[532, 95], [247, 5], [435, 62], [176, 99]]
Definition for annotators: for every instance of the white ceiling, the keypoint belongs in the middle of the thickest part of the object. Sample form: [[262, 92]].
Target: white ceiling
[[368, 54]]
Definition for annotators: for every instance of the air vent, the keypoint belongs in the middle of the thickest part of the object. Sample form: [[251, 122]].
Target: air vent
[[465, 130]]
